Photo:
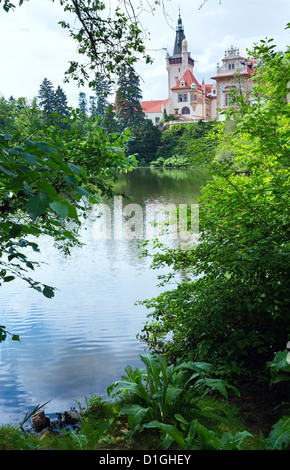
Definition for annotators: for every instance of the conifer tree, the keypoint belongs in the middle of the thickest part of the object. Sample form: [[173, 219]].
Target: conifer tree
[[60, 103], [102, 90], [109, 122], [129, 110], [93, 105], [46, 98], [83, 104]]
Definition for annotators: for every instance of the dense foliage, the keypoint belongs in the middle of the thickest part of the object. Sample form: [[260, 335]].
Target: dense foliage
[[49, 176], [233, 307], [181, 143]]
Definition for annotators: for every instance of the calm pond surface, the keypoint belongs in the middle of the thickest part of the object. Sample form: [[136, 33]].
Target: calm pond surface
[[74, 345]]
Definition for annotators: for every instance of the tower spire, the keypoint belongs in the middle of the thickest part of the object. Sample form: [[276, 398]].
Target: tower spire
[[179, 37]]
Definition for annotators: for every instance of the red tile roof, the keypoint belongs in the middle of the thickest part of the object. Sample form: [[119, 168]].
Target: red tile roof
[[208, 89], [188, 78], [153, 106]]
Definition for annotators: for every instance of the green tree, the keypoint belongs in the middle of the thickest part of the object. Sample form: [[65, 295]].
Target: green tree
[[47, 186], [183, 142], [7, 109], [129, 109], [92, 105], [232, 308], [83, 104], [60, 103], [46, 98], [27, 115], [102, 90], [145, 141], [109, 122]]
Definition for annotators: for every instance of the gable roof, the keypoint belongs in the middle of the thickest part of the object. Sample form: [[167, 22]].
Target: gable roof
[[189, 79], [154, 106]]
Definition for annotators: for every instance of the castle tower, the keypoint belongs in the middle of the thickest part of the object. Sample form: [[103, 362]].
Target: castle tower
[[180, 61]]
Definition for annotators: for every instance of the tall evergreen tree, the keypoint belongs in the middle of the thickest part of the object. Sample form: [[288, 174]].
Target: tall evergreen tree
[[109, 122], [102, 90], [83, 104], [129, 110], [46, 98], [60, 103], [93, 105]]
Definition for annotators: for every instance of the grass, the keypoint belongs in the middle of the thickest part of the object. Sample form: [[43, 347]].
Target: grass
[[102, 428]]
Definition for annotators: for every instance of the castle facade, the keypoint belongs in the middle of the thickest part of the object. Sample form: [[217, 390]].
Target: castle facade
[[188, 100]]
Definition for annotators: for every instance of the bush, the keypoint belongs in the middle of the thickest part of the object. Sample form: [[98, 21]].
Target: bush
[[231, 305]]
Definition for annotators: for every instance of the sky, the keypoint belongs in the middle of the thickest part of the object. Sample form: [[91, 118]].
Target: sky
[[33, 46]]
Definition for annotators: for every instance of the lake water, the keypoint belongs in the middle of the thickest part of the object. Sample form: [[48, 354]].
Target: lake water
[[74, 345]]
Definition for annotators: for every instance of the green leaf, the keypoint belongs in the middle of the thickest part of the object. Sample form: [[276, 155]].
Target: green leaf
[[279, 437], [135, 413], [15, 230], [31, 158], [8, 278], [3, 334], [153, 366], [172, 393], [60, 208], [45, 147], [75, 168], [72, 212], [29, 265], [82, 191], [71, 180], [129, 387], [15, 338], [38, 204], [168, 429], [8, 172], [48, 292], [48, 188]]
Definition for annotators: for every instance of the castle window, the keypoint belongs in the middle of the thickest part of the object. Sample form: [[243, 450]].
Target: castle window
[[227, 99], [231, 66], [185, 110], [182, 97]]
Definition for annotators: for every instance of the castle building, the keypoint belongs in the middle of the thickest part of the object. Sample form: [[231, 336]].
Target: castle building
[[234, 72], [188, 100]]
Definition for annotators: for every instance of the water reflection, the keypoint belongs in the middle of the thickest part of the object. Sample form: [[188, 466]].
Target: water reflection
[[76, 344]]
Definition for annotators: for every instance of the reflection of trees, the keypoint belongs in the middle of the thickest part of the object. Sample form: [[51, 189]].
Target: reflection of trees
[[152, 190], [170, 185]]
